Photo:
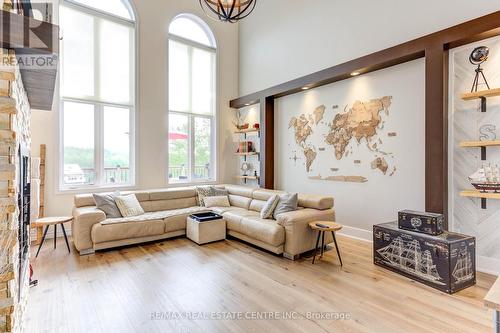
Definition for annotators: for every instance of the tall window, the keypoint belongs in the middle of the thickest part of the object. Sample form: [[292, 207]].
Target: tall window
[[192, 100], [97, 93]]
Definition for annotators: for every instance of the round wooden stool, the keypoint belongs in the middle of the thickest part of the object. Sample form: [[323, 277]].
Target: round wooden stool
[[322, 227], [47, 222]]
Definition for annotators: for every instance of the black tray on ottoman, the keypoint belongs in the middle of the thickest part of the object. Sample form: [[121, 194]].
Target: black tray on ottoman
[[204, 217]]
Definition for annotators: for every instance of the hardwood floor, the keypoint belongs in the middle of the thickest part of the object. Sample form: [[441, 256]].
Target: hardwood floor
[[127, 290]]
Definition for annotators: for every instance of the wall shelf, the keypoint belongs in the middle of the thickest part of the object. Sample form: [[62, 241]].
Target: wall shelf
[[248, 130], [480, 144], [245, 178], [482, 95], [245, 155], [482, 195]]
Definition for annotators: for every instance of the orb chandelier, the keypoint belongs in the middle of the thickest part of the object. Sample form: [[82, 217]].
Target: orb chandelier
[[228, 10]]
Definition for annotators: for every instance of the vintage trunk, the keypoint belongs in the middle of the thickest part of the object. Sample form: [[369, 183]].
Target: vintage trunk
[[427, 223], [445, 262]]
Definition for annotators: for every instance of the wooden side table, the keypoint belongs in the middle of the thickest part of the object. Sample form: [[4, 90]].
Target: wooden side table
[[322, 227], [47, 222]]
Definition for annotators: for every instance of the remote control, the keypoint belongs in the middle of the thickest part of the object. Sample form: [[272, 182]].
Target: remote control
[[321, 225]]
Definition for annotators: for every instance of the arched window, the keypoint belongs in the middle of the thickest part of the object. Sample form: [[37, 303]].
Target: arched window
[[192, 101], [97, 89]]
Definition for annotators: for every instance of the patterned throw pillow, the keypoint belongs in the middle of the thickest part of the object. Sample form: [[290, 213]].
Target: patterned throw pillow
[[288, 203], [218, 192], [217, 201], [129, 205], [268, 209], [204, 191]]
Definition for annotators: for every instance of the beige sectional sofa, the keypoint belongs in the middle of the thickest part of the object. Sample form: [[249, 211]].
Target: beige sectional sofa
[[167, 211]]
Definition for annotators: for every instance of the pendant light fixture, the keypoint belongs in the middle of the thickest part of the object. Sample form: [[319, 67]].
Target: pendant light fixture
[[228, 10]]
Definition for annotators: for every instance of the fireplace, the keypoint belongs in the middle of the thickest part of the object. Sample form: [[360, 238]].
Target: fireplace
[[23, 200]]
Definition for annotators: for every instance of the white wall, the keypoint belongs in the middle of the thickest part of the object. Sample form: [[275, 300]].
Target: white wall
[[154, 18], [285, 39], [360, 205]]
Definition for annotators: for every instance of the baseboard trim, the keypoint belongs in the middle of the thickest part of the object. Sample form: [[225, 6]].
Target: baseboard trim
[[356, 233], [488, 265]]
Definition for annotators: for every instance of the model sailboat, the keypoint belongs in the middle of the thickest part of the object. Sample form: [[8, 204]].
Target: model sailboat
[[486, 178]]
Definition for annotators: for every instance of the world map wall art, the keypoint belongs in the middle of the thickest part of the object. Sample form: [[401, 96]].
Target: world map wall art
[[361, 123]]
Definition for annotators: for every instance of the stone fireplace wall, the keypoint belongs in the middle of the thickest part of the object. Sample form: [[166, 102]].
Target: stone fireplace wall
[[14, 130]]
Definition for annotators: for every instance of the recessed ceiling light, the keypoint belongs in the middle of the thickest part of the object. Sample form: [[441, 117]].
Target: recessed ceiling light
[[305, 88], [248, 104], [355, 73]]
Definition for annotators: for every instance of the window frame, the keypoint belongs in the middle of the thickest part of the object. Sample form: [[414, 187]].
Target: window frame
[[214, 117], [99, 109]]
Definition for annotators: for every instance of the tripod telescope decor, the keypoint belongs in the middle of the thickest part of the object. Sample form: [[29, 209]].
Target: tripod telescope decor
[[477, 57]]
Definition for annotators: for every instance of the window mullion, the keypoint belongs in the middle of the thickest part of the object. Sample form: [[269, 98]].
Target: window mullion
[[97, 62], [191, 148], [99, 140], [190, 78]]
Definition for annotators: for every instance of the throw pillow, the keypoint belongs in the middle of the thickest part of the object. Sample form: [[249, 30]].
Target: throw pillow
[[288, 203], [268, 209], [129, 205], [220, 192], [106, 203], [217, 201], [204, 191]]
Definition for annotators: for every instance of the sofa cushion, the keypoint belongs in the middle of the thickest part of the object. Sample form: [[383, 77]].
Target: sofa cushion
[[222, 210], [234, 217], [257, 205], [240, 201], [159, 205], [264, 230], [84, 200], [243, 191], [217, 201], [176, 222], [315, 201], [160, 215], [172, 193], [111, 232], [264, 195]]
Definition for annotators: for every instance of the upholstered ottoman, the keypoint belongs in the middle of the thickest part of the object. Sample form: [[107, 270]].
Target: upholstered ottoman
[[203, 231]]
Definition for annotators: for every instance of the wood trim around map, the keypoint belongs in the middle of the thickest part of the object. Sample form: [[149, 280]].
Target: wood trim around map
[[434, 48]]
